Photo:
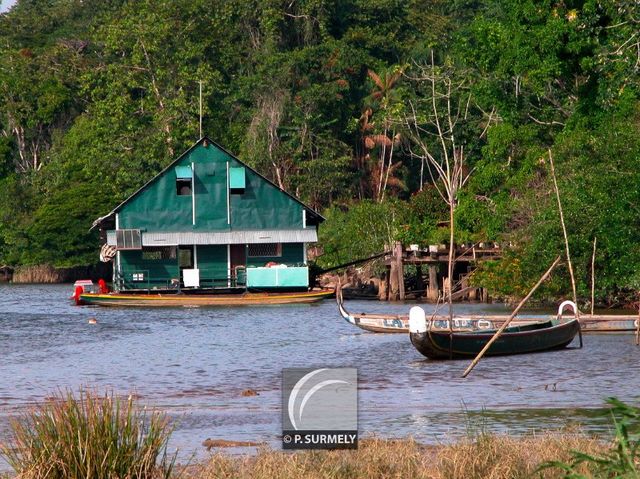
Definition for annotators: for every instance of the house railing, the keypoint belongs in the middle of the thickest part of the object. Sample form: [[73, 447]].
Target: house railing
[[142, 279], [256, 277]]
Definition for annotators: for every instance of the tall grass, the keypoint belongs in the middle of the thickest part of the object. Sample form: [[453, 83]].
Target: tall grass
[[89, 436], [490, 456], [37, 274], [487, 456]]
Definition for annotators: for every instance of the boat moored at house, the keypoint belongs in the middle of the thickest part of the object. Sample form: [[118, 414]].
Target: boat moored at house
[[208, 224]]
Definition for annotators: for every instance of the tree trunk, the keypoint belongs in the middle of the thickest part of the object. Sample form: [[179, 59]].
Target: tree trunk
[[450, 262]]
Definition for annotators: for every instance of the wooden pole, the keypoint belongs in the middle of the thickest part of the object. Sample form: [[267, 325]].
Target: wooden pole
[[396, 273], [393, 277], [638, 327], [433, 290], [593, 275], [200, 82], [400, 270], [450, 261], [564, 232], [513, 315]]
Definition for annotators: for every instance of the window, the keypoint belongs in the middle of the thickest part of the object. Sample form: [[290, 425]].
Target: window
[[183, 187], [185, 258], [137, 277], [237, 181], [128, 239], [264, 250], [184, 180], [159, 253]]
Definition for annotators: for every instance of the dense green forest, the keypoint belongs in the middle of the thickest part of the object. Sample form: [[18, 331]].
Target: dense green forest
[[356, 106]]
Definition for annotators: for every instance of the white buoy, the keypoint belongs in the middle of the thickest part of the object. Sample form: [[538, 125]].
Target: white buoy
[[417, 320], [92, 321]]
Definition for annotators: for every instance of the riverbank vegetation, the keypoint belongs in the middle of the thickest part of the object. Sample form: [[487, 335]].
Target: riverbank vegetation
[[87, 434], [350, 105], [77, 436]]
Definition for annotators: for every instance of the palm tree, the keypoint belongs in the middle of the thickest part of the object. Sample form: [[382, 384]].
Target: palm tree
[[384, 97]]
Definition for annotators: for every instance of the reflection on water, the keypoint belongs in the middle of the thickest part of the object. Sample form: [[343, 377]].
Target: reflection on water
[[195, 362]]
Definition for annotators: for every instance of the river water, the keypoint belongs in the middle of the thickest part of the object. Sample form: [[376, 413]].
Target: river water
[[194, 364]]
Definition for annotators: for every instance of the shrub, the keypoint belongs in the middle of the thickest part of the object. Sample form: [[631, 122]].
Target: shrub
[[365, 229], [89, 436]]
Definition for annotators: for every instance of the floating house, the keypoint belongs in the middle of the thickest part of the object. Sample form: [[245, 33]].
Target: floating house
[[207, 222]]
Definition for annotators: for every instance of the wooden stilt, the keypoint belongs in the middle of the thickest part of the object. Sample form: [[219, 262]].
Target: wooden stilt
[[383, 289], [396, 275], [393, 283], [433, 291], [464, 285], [485, 295], [399, 269], [473, 294]]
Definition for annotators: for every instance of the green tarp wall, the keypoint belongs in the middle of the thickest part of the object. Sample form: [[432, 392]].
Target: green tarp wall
[[212, 263]]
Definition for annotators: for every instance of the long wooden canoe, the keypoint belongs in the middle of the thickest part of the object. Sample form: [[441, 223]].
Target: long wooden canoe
[[194, 300], [532, 338], [399, 323], [389, 323]]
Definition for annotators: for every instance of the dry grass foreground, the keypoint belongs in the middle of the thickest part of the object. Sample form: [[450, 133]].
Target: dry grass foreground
[[103, 436], [487, 457]]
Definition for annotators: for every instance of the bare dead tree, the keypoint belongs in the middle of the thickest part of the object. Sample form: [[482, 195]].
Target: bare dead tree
[[166, 122], [433, 127], [264, 128]]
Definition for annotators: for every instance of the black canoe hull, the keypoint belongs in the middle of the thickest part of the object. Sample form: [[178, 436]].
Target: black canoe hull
[[519, 340]]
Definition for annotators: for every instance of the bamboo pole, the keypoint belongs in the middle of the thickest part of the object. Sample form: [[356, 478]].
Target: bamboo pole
[[576, 310], [200, 82], [450, 271], [564, 232], [593, 275], [638, 327], [513, 315]]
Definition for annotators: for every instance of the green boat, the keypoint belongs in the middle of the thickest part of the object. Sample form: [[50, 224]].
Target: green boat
[[522, 339]]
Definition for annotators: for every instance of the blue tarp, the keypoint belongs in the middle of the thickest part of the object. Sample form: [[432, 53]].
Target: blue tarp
[[184, 173]]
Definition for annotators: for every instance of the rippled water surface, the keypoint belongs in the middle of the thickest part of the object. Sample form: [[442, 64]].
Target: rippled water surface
[[195, 362]]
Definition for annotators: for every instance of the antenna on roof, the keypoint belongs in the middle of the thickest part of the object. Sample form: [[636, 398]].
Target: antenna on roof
[[200, 82]]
